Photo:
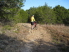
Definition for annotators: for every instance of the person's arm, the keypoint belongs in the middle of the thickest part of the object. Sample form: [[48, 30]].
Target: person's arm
[[34, 19]]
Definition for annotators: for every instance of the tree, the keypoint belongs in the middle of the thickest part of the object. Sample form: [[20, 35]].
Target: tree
[[42, 14], [9, 8], [45, 14], [22, 16], [66, 20], [61, 14]]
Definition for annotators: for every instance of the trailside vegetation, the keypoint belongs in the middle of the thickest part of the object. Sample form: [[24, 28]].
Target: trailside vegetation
[[10, 11], [48, 15]]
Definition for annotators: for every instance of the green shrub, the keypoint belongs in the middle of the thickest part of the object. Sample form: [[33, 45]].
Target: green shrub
[[7, 27]]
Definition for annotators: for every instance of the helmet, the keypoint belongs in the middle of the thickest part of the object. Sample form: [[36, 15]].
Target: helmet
[[32, 15]]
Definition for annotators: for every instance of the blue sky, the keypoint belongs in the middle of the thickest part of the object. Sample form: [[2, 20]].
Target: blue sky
[[52, 3]]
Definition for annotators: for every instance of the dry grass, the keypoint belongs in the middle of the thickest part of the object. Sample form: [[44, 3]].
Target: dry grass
[[42, 36], [60, 34]]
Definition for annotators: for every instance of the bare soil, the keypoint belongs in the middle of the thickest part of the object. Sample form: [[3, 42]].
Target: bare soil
[[22, 39]]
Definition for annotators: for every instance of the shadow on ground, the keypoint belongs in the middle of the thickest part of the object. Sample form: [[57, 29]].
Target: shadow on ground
[[45, 47], [9, 44], [63, 48]]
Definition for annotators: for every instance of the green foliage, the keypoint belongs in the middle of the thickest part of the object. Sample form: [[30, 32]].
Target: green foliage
[[62, 16], [9, 8], [10, 11], [7, 27], [47, 15], [21, 16], [66, 20], [43, 14], [31, 12]]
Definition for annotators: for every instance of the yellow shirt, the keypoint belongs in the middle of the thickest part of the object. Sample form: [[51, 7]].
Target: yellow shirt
[[32, 19]]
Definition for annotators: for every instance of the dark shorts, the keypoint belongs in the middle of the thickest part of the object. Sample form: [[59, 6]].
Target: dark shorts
[[32, 23]]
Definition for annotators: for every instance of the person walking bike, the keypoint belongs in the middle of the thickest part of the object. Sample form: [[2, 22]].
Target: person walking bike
[[32, 22]]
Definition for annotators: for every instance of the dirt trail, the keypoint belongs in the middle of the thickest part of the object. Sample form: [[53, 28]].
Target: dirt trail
[[39, 33], [35, 34], [36, 40]]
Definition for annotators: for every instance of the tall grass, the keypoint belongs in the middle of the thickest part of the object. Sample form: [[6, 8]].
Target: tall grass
[[60, 35]]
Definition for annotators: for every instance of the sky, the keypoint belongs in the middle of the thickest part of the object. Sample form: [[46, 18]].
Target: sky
[[51, 3]]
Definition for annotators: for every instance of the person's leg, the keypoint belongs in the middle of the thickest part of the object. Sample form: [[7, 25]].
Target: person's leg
[[32, 25]]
